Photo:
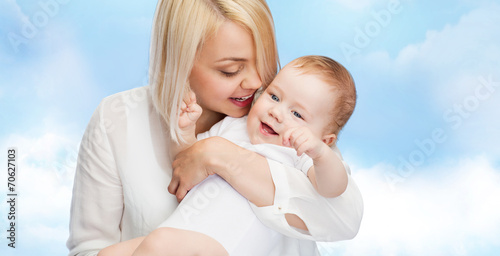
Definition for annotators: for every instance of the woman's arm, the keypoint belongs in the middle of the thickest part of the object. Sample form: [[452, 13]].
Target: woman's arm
[[245, 170], [280, 195], [97, 203]]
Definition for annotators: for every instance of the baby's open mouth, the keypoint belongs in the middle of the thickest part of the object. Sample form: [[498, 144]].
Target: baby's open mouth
[[267, 129]]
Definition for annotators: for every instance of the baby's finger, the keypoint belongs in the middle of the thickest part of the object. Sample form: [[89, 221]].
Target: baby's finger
[[197, 108], [300, 150], [286, 137], [184, 105], [302, 143], [308, 146], [295, 137], [192, 97], [189, 98], [302, 146]]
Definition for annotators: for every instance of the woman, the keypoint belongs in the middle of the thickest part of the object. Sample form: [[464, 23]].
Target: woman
[[124, 166]]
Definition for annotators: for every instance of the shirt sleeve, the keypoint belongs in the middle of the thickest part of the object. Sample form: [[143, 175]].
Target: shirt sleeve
[[327, 219], [97, 204], [304, 163]]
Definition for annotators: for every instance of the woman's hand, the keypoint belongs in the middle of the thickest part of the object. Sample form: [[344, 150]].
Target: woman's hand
[[189, 168], [244, 170]]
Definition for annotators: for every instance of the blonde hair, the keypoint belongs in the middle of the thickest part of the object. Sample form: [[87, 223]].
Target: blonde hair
[[341, 81], [181, 27]]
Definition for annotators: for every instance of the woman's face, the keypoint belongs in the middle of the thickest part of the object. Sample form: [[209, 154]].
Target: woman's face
[[224, 76]]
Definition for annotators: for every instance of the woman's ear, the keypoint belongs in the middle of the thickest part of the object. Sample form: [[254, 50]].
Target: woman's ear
[[329, 139]]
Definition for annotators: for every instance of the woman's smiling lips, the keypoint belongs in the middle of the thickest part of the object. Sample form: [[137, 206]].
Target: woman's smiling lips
[[242, 101], [267, 130]]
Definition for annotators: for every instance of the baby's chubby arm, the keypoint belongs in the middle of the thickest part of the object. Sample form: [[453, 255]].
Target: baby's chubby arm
[[189, 113], [328, 174]]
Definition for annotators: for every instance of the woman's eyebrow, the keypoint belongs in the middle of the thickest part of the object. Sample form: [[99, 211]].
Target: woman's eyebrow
[[232, 59]]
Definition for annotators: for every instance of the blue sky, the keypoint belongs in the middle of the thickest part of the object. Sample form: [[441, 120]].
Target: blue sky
[[422, 143]]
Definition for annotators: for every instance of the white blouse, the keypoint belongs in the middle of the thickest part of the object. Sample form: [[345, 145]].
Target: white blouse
[[123, 171]]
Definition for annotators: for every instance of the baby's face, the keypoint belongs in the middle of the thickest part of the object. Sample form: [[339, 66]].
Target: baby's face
[[291, 100]]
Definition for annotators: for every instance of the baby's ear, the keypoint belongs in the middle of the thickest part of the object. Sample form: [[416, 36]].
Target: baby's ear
[[329, 139]]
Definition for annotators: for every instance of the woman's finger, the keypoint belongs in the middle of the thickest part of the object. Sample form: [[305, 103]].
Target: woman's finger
[[174, 184], [181, 193]]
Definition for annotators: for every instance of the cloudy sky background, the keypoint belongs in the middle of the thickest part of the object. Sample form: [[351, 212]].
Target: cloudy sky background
[[422, 143]]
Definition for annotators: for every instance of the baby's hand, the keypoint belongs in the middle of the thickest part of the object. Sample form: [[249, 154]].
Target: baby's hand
[[304, 141], [190, 111]]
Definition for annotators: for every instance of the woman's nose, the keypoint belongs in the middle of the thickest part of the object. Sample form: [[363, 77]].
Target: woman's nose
[[252, 80]]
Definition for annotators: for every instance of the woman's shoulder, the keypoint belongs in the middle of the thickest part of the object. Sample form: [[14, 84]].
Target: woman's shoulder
[[129, 114], [129, 108], [126, 102], [130, 97]]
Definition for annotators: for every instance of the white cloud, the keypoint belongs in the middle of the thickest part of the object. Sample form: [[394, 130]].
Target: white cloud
[[50, 82], [472, 41], [451, 64], [51, 238], [54, 77], [471, 45], [443, 210], [49, 59], [45, 171]]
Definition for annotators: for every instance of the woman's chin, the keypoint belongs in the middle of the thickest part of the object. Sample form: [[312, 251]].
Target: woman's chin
[[238, 113]]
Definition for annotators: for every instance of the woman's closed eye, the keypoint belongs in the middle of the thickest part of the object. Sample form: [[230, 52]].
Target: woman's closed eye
[[230, 74]]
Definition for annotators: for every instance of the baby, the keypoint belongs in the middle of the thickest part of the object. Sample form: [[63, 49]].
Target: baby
[[295, 121]]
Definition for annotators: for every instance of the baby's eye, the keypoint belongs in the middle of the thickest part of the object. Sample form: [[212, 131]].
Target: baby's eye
[[275, 98], [296, 114]]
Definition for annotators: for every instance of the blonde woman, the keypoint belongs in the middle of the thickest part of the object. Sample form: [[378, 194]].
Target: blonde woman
[[223, 51]]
